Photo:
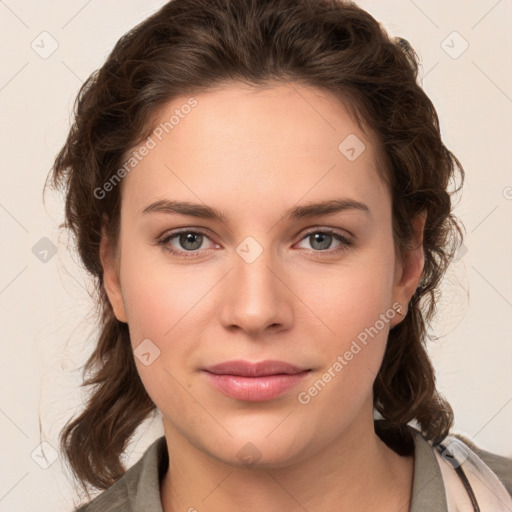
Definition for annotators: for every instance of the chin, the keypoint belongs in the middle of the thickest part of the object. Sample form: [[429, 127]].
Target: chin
[[259, 453]]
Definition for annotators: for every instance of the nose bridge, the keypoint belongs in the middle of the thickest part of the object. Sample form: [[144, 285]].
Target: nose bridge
[[256, 293]]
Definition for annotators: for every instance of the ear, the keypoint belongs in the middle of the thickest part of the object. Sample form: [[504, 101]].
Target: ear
[[111, 282], [408, 272]]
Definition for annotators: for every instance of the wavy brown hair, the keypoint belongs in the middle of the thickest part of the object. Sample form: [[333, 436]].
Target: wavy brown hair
[[190, 46]]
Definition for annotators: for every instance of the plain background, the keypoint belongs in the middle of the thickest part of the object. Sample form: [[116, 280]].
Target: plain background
[[47, 317]]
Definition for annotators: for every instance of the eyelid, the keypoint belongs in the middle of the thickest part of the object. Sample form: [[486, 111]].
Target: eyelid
[[324, 229]]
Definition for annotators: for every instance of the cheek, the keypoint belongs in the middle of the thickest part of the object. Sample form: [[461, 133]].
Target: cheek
[[351, 361], [165, 304], [353, 310], [159, 297], [352, 297], [160, 308]]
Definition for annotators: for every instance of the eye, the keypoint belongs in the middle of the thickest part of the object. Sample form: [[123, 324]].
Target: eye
[[189, 242], [321, 240]]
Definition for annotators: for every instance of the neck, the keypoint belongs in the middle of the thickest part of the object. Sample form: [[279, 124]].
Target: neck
[[338, 477]]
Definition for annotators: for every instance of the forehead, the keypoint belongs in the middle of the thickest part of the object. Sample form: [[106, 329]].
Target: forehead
[[245, 146]]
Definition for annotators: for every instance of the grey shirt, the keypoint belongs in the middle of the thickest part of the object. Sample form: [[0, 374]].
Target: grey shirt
[[139, 489]]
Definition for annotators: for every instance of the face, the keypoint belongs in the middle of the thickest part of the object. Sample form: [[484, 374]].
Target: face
[[269, 279]]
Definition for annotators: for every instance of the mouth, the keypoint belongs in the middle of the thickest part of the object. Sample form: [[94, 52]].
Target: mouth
[[258, 369], [255, 382]]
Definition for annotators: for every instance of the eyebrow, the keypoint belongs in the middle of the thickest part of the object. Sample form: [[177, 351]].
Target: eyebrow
[[202, 211]]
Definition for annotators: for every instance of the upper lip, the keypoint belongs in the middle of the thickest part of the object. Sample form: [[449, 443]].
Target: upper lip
[[258, 369]]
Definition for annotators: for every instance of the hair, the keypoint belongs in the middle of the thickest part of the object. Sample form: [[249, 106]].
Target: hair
[[189, 46]]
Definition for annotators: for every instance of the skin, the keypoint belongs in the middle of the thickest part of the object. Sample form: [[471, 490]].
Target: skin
[[253, 154]]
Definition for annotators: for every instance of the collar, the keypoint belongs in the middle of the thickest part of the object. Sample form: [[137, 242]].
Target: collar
[[139, 489]]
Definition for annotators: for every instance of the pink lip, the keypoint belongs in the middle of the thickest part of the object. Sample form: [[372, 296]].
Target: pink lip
[[254, 382]]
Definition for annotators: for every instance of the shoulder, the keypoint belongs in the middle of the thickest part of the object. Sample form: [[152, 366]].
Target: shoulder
[[454, 472], [140, 483], [500, 466], [472, 476]]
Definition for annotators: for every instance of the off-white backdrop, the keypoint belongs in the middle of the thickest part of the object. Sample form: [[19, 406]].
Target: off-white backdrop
[[50, 48]]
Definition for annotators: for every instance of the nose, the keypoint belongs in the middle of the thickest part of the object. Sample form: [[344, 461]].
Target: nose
[[255, 296]]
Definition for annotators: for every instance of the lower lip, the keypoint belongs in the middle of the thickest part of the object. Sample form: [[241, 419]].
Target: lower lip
[[255, 389]]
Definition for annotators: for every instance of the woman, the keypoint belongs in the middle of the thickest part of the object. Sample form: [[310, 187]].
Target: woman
[[261, 192]]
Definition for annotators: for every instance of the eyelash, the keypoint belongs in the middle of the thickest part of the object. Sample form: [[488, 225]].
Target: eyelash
[[164, 241]]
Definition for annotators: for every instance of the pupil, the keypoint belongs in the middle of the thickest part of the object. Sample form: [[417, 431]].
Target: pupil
[[324, 240], [190, 238]]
